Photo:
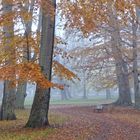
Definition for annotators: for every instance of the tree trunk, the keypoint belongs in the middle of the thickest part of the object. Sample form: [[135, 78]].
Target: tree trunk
[[21, 89], [84, 86], [68, 92], [20, 95], [135, 65], [8, 102], [39, 112], [64, 94], [121, 66], [108, 94], [123, 85]]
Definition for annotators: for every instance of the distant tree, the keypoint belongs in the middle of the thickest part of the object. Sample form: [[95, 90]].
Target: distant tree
[[113, 18], [121, 65]]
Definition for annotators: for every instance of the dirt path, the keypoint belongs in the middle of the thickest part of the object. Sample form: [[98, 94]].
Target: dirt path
[[85, 124]]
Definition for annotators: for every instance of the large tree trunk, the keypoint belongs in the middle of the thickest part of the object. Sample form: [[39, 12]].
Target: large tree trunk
[[8, 102], [121, 65], [39, 112], [135, 64], [123, 85]]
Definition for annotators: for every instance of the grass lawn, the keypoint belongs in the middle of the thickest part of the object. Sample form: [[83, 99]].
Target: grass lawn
[[81, 101], [78, 123], [92, 101], [14, 130]]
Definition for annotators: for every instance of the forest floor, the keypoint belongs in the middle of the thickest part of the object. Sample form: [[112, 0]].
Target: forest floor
[[77, 123]]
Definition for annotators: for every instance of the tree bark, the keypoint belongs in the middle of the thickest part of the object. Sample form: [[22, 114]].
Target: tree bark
[[8, 102], [135, 64], [123, 85], [39, 112], [21, 95], [108, 94], [121, 66]]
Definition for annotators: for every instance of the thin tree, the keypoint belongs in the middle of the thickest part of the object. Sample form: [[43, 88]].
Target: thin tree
[[22, 87]]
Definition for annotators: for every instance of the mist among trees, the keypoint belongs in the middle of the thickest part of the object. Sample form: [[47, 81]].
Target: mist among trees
[[69, 69]]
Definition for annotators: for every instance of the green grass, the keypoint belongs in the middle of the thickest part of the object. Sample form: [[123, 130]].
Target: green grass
[[77, 102], [26, 134], [14, 130], [81, 102], [92, 101]]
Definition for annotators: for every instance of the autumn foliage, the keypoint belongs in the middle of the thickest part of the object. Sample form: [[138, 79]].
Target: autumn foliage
[[23, 47]]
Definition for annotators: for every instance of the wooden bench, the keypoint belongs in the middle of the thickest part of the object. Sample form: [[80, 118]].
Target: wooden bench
[[99, 108], [104, 108]]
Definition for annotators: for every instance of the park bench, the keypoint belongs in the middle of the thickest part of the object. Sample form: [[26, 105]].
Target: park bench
[[99, 108], [103, 108]]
